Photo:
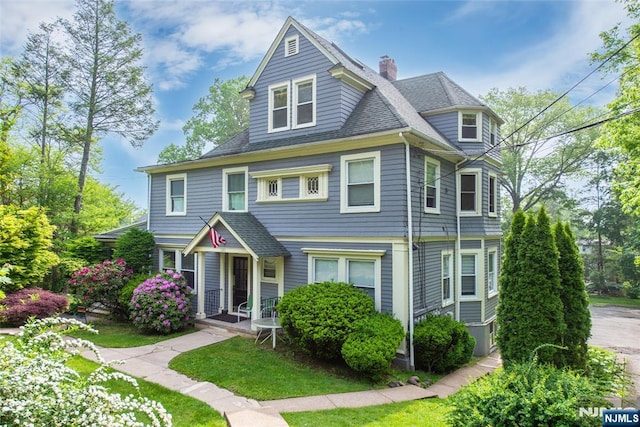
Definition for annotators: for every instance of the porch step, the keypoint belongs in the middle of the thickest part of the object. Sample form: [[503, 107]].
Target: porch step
[[258, 417], [242, 328]]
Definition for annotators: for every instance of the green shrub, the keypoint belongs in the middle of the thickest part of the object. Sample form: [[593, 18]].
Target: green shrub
[[319, 317], [136, 248], [372, 345], [442, 344], [127, 292], [86, 248], [605, 372], [631, 290], [526, 395]]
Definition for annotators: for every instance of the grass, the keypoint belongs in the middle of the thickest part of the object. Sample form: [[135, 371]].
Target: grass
[[602, 300], [123, 334], [419, 413], [258, 372], [186, 411]]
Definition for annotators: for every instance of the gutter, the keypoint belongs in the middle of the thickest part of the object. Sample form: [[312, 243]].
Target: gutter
[[458, 259], [407, 157]]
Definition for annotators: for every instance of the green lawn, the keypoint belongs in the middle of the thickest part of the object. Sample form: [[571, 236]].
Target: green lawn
[[418, 413], [186, 411], [258, 372], [600, 300], [123, 334]]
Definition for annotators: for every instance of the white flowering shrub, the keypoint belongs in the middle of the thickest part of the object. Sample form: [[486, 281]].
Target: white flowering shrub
[[38, 389]]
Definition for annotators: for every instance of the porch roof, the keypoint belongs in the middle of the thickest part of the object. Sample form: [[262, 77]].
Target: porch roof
[[249, 232]]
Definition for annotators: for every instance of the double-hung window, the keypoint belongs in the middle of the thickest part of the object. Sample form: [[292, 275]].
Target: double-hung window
[[173, 259], [493, 132], [431, 186], [470, 126], [470, 193], [492, 273], [469, 277], [279, 107], [360, 183], [234, 188], [176, 198], [361, 268], [493, 195], [304, 102], [447, 279]]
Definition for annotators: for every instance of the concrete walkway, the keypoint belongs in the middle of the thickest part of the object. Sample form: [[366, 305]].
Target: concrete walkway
[[151, 363]]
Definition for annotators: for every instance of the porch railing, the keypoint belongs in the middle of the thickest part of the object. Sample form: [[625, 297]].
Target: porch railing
[[211, 302]]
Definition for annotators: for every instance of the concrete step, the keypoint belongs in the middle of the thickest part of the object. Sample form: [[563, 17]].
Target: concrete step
[[259, 417]]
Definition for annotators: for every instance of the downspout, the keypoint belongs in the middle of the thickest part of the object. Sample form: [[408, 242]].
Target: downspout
[[458, 259], [148, 202], [407, 160]]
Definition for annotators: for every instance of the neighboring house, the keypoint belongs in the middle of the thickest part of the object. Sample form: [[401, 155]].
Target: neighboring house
[[343, 174]]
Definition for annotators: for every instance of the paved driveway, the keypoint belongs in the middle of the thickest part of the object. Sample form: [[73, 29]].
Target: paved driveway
[[618, 329]]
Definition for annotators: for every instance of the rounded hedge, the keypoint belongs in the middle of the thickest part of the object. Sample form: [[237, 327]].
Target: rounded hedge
[[319, 317], [372, 345], [442, 344], [161, 304]]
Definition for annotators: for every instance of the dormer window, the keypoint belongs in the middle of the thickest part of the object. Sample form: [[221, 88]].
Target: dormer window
[[470, 126], [300, 94], [291, 46]]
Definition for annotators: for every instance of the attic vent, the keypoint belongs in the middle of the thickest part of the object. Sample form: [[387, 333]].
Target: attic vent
[[291, 46]]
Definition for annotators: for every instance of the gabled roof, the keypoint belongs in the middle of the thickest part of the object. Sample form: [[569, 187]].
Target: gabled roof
[[248, 231], [112, 235]]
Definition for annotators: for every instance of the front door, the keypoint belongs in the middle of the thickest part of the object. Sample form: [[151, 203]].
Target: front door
[[240, 280]]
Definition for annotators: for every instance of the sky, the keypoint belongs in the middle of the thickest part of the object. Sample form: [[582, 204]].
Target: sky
[[480, 44]]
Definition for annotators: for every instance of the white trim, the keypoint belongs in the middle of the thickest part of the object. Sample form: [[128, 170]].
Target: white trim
[[478, 115], [289, 172], [287, 44], [225, 196], [478, 191], [168, 200], [479, 274], [344, 202], [450, 301], [277, 268], [496, 188], [342, 257], [305, 172], [272, 89], [294, 104], [492, 292], [436, 163]]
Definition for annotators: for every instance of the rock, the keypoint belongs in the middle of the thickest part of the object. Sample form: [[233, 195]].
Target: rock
[[414, 380], [395, 384]]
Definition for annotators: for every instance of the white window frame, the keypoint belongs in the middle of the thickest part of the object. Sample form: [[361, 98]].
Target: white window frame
[[450, 275], [302, 173], [492, 186], [492, 273], [478, 192], [277, 264], [344, 193], [493, 132], [294, 106], [343, 256], [225, 196], [177, 253], [478, 115], [478, 255], [169, 199], [272, 89], [436, 163], [291, 41]]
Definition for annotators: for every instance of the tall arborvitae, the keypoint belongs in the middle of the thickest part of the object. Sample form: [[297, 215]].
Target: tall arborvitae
[[507, 313], [531, 315], [574, 298]]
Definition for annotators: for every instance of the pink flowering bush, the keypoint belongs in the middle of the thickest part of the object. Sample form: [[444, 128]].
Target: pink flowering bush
[[102, 283], [161, 304]]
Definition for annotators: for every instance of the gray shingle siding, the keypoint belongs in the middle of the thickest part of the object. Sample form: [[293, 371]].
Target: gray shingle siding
[[471, 311], [446, 124], [427, 266]]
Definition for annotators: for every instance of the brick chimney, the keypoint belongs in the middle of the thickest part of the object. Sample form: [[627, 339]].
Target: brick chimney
[[388, 68]]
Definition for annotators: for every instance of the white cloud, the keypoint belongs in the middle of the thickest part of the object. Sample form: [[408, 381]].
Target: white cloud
[[18, 18], [559, 61]]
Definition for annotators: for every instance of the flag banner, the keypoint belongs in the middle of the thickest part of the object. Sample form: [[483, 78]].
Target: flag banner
[[216, 238]]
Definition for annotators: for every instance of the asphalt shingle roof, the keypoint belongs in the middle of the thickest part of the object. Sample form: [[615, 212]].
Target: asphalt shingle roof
[[254, 234]]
